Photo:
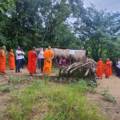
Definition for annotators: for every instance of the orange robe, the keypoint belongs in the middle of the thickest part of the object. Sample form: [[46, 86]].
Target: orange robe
[[48, 55], [32, 61], [100, 69], [11, 60], [108, 68], [2, 61]]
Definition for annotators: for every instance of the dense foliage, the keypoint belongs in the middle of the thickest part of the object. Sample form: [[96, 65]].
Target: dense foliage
[[59, 23]]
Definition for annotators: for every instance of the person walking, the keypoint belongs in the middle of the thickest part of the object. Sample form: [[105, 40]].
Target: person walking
[[2, 61], [22, 59], [48, 56], [108, 68], [18, 59], [32, 61], [100, 69], [41, 60], [11, 60], [118, 68]]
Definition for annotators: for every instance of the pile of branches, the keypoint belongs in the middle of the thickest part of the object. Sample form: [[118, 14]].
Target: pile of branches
[[84, 70]]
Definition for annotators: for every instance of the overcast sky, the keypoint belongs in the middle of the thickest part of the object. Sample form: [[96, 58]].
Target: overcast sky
[[110, 5]]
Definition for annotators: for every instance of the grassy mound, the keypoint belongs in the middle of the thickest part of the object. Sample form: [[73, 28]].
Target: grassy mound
[[50, 101]]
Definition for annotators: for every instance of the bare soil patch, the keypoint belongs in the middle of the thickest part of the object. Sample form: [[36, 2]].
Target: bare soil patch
[[112, 85]]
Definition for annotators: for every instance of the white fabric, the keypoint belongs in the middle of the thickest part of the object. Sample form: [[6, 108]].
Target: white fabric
[[41, 55], [19, 55], [22, 56], [118, 64]]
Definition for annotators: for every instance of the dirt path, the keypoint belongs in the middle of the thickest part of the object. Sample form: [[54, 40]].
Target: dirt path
[[112, 85], [4, 99]]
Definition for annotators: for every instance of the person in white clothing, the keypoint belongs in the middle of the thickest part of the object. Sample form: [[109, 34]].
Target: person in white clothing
[[19, 56], [41, 59], [23, 59], [118, 68]]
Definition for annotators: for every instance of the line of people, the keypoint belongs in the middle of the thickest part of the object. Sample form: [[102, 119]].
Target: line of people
[[14, 64], [44, 60], [11, 60], [104, 69]]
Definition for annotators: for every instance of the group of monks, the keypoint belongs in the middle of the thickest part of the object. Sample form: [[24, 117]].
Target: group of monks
[[48, 54], [104, 69], [32, 61], [11, 60]]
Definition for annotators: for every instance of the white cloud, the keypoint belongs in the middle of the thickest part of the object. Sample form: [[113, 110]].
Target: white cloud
[[110, 5]]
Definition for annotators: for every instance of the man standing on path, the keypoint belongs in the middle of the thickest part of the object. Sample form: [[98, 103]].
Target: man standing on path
[[100, 69], [41, 60], [118, 68], [108, 68], [48, 57], [19, 55], [23, 59], [11, 60], [2, 61], [32, 61]]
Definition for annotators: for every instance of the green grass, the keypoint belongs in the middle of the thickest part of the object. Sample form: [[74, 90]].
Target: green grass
[[40, 101], [5, 88], [18, 79]]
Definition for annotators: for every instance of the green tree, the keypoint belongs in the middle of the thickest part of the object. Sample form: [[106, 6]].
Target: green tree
[[36, 22], [96, 29]]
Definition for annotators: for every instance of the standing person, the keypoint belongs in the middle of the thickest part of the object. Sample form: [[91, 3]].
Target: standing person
[[22, 58], [2, 61], [11, 60], [41, 60], [48, 56], [118, 68], [108, 68], [18, 59], [100, 68], [32, 61]]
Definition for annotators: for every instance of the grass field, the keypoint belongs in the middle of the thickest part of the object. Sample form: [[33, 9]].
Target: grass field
[[50, 101]]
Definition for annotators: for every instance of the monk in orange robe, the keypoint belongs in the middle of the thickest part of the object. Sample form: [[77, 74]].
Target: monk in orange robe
[[2, 61], [11, 60], [100, 68], [48, 56], [108, 68], [32, 61]]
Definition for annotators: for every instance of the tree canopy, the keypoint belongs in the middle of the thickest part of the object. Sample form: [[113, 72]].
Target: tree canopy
[[59, 23]]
